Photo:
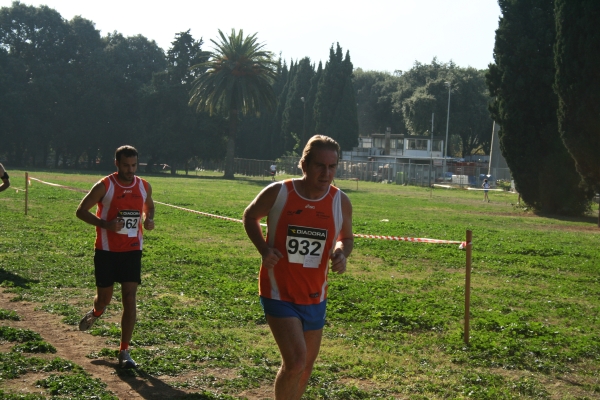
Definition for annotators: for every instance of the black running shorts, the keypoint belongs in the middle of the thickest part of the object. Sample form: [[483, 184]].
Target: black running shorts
[[112, 266]]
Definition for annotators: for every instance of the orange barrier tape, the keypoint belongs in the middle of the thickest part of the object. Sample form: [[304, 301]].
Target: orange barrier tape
[[412, 239], [202, 213], [57, 185], [462, 246]]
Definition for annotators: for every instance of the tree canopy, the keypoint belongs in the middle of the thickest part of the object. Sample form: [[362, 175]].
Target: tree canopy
[[69, 96], [578, 84], [238, 79], [521, 83]]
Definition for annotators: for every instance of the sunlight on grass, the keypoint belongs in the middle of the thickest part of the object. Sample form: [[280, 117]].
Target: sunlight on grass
[[395, 320]]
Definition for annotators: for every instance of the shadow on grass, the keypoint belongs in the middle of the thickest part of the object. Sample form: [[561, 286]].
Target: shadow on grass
[[588, 219], [144, 384], [15, 280]]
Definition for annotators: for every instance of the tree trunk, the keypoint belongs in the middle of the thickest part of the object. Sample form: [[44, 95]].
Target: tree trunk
[[229, 155]]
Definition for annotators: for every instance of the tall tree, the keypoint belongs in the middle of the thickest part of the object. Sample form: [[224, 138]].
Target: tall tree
[[277, 137], [578, 84], [470, 123], [419, 92], [471, 118], [374, 98], [35, 36], [184, 53], [295, 104], [310, 128], [238, 78], [525, 106], [172, 130], [129, 63], [335, 105]]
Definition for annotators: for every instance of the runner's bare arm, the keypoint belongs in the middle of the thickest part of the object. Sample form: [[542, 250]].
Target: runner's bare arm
[[149, 210], [93, 197], [258, 209], [345, 240], [5, 182]]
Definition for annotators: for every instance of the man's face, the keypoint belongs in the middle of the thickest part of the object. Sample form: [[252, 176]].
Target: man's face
[[126, 167], [320, 170]]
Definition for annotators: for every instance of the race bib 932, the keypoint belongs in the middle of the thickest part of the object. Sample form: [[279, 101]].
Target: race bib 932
[[305, 245]]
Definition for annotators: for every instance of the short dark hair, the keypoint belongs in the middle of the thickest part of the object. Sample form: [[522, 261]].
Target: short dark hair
[[318, 142], [125, 151]]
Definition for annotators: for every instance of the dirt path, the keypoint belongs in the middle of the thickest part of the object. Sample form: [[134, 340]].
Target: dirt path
[[73, 345]]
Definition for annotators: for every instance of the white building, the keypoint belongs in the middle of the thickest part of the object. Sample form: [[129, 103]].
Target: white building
[[396, 148]]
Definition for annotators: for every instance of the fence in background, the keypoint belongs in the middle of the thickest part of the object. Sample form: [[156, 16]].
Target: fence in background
[[374, 171]]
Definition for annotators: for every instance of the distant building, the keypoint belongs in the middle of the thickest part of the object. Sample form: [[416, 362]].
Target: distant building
[[397, 148], [414, 159]]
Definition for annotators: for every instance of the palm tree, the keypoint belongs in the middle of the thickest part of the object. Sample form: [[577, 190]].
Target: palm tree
[[239, 77]]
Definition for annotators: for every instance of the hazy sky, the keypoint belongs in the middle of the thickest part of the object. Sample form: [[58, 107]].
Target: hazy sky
[[380, 35]]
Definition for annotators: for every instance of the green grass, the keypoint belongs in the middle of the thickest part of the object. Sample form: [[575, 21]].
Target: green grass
[[65, 378], [395, 320]]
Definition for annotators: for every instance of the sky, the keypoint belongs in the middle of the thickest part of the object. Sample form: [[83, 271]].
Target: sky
[[381, 35]]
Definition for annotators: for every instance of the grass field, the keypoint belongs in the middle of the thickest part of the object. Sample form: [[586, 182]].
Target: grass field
[[395, 319]]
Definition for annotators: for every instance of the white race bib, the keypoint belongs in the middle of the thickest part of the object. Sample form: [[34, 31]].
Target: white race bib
[[131, 218], [305, 245]]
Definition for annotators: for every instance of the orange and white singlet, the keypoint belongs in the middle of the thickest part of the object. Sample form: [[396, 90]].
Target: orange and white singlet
[[126, 203], [305, 232]]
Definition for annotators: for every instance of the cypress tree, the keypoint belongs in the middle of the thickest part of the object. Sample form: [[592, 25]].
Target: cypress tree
[[276, 144], [309, 116], [525, 106], [345, 126], [577, 59], [335, 105], [293, 114], [329, 91]]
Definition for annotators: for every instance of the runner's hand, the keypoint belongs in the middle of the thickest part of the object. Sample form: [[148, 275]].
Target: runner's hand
[[270, 257], [338, 262], [148, 224], [114, 225]]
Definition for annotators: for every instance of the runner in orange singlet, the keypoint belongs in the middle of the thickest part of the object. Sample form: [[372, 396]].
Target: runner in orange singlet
[[309, 223], [122, 199]]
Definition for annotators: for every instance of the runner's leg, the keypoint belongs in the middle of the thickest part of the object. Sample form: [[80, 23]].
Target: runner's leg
[[292, 345], [128, 292], [103, 297], [313, 344]]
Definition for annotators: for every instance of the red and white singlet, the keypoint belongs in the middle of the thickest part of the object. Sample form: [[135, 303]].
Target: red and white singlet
[[126, 203], [305, 232]]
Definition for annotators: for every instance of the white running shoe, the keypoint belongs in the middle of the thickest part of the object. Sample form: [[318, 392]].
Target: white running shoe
[[88, 320], [125, 360]]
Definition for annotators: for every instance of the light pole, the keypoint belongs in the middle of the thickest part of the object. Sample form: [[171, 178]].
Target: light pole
[[447, 123]]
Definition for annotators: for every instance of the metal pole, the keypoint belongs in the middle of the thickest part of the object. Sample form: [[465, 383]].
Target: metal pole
[[431, 159], [447, 123], [468, 284]]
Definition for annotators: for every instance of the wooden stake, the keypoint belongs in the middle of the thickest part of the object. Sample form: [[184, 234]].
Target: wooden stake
[[26, 190], [468, 284]]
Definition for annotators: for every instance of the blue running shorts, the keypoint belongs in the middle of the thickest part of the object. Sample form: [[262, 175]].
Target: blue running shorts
[[311, 316]]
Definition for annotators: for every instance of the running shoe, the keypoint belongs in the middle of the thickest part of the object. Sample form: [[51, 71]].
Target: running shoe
[[125, 360], [88, 320]]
